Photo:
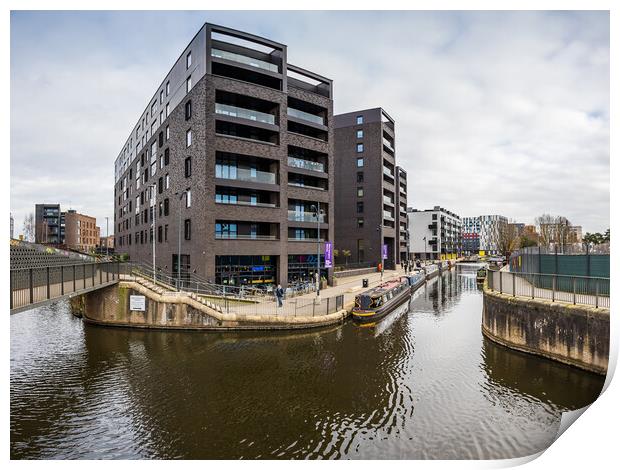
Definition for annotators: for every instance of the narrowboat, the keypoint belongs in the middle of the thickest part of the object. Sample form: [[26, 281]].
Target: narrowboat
[[481, 275], [381, 300]]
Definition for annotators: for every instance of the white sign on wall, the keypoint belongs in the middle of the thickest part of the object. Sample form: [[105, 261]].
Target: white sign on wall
[[137, 302]]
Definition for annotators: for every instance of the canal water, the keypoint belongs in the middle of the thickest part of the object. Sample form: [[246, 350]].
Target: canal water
[[424, 383]]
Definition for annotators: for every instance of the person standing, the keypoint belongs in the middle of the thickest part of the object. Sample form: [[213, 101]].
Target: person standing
[[279, 295]]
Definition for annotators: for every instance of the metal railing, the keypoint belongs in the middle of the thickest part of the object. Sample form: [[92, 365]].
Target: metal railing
[[591, 291], [32, 286]]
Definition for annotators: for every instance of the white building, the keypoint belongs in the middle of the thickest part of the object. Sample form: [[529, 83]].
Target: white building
[[481, 234], [434, 234]]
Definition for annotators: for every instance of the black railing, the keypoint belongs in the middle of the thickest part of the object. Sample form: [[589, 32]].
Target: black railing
[[33, 286]]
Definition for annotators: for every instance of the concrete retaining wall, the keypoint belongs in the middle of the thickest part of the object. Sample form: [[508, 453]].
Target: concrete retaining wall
[[110, 306], [575, 335]]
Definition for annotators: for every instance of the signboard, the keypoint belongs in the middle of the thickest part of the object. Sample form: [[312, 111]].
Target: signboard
[[329, 260], [137, 302], [384, 252]]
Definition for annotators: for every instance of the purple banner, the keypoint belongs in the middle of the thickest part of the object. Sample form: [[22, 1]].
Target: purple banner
[[384, 252], [329, 255]]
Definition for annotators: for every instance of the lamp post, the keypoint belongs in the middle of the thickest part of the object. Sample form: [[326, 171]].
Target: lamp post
[[408, 255], [107, 238], [318, 212], [153, 188], [183, 193], [424, 250]]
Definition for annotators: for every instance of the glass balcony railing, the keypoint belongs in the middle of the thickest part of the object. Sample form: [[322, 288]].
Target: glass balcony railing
[[388, 215], [387, 200], [245, 203], [296, 216], [305, 116], [301, 239], [249, 236], [306, 164], [234, 111], [388, 172], [243, 59], [247, 175], [388, 144]]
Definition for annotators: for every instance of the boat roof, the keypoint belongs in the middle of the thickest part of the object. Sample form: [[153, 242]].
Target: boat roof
[[382, 288]]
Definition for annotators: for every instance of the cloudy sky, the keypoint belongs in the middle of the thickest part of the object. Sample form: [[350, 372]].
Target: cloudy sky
[[497, 112]]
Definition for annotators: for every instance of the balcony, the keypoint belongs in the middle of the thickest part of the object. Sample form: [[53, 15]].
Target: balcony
[[306, 164], [388, 172], [239, 174], [296, 216], [250, 114], [388, 144], [388, 200], [250, 236], [297, 239], [388, 216], [245, 60], [246, 203], [296, 113]]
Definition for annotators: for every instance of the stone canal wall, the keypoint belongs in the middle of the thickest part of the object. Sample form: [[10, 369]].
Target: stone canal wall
[[572, 334], [110, 306]]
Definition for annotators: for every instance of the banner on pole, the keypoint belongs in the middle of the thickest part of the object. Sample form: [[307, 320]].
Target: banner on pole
[[329, 256], [384, 253]]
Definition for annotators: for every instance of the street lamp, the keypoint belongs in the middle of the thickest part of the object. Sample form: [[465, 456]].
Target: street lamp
[[184, 193], [153, 188], [317, 213]]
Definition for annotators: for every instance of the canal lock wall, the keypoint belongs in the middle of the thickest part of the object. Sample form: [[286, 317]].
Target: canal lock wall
[[172, 310], [572, 334]]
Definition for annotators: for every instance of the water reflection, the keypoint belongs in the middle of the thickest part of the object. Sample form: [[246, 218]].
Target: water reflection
[[421, 383]]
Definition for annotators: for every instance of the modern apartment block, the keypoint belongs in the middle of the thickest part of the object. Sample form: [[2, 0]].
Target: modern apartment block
[[370, 190], [485, 232], [434, 234], [230, 160], [81, 231], [48, 224]]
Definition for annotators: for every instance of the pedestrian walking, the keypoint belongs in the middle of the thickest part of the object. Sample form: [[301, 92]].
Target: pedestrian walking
[[279, 295]]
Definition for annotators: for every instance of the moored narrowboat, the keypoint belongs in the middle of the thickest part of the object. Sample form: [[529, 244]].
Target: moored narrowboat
[[381, 300]]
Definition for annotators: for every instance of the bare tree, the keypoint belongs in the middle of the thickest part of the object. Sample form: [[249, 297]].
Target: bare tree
[[545, 228], [508, 239], [29, 227], [554, 229]]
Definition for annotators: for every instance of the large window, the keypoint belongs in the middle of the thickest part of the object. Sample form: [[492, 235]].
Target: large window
[[226, 167], [224, 230]]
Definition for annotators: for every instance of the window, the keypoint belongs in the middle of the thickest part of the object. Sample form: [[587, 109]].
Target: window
[[153, 108], [188, 229], [359, 120], [166, 206], [167, 157], [161, 139], [167, 90], [360, 207], [160, 233], [161, 97], [188, 84], [188, 110], [360, 192], [166, 232], [153, 168], [188, 199], [167, 181], [188, 167], [167, 109], [167, 132], [360, 133], [360, 222], [434, 217], [160, 185], [188, 60], [161, 118], [225, 230], [188, 138], [360, 162], [360, 176], [360, 148]]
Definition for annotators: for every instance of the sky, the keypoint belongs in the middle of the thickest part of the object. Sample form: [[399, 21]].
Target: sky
[[496, 112]]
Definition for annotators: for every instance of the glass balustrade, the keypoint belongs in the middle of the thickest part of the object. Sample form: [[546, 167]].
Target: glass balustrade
[[388, 144], [387, 171], [242, 174], [387, 200], [306, 164], [235, 111], [243, 59], [297, 216], [305, 116]]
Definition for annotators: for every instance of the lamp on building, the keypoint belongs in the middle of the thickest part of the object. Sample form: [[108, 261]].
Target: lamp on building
[[317, 213]]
